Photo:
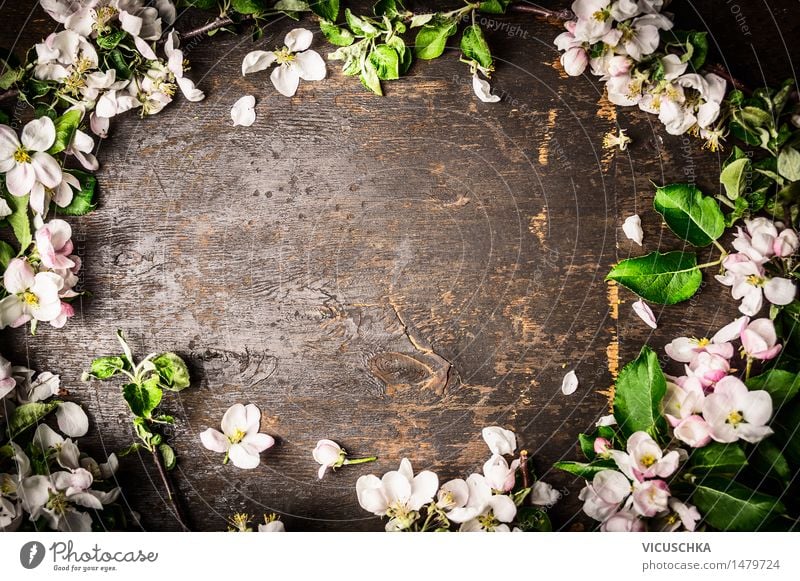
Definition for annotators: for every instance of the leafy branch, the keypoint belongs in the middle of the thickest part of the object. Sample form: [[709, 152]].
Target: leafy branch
[[143, 392]]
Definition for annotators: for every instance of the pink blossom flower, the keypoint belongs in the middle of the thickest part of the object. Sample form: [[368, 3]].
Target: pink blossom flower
[[624, 521], [694, 431], [645, 459], [708, 368], [735, 413], [54, 243], [760, 341], [650, 497]]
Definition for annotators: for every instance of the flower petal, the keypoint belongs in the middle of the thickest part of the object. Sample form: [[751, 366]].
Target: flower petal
[[242, 112], [645, 313], [258, 60], [298, 39], [286, 79], [234, 419], [47, 169], [779, 291], [20, 179], [260, 442], [570, 383], [483, 90], [632, 227], [310, 66], [241, 457], [39, 134], [72, 420], [214, 440]]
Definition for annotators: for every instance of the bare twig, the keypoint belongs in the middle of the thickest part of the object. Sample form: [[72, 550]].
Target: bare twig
[[216, 24], [172, 495], [560, 15]]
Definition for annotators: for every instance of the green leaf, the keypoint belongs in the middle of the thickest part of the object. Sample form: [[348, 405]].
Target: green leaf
[[494, 6], [369, 77], [405, 55], [733, 177], [389, 8], [172, 371], [698, 41], [583, 469], [386, 62], [660, 278], [781, 385], [168, 455], [105, 367], [65, 130], [432, 38], [691, 215], [28, 415], [84, 201], [249, 6], [143, 397], [767, 459], [641, 386], [19, 220], [327, 9], [475, 47], [716, 457], [532, 519], [587, 446], [292, 6], [729, 506], [789, 164], [360, 26], [111, 39], [336, 34], [6, 254], [787, 428]]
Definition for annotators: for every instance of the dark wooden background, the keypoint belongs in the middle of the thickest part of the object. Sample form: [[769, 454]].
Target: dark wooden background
[[393, 273]]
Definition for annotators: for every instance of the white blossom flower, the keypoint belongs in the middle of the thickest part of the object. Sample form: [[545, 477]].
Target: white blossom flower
[[759, 340], [54, 243], [623, 521], [645, 459], [240, 439], [294, 62], [681, 514], [398, 494], [500, 476], [735, 413], [27, 162], [175, 64], [499, 440], [328, 454], [708, 368], [273, 526], [7, 381], [463, 500], [650, 497], [632, 227], [750, 283], [603, 497], [65, 451], [494, 518], [55, 498], [685, 349], [243, 112], [31, 296]]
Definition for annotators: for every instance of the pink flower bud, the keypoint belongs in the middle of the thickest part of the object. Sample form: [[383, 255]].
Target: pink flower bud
[[601, 446], [574, 61], [786, 244]]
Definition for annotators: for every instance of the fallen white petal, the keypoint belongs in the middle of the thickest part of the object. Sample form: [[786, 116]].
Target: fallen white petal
[[483, 90], [633, 228], [72, 419], [570, 383], [645, 313], [242, 111]]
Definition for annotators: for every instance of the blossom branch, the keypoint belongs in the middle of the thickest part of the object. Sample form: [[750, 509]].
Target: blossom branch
[[169, 486]]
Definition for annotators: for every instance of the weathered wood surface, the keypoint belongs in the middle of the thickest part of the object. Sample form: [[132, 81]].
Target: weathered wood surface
[[391, 273]]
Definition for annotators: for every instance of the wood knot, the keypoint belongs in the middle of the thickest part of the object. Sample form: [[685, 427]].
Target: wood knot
[[402, 371]]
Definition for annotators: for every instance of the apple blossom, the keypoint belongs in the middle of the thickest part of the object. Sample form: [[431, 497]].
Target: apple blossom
[[685, 349], [398, 494], [272, 525], [650, 497], [176, 66], [624, 521], [55, 498], [708, 368], [53, 241], [645, 458], [683, 398], [694, 431], [500, 476], [240, 439], [495, 516], [7, 380], [735, 413], [621, 141], [31, 296], [25, 161], [329, 454], [759, 340], [749, 282], [681, 514], [50, 442], [462, 500], [294, 62], [602, 447], [499, 440], [605, 494]]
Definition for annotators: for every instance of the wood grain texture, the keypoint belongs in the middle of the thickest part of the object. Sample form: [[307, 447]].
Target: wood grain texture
[[390, 273]]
